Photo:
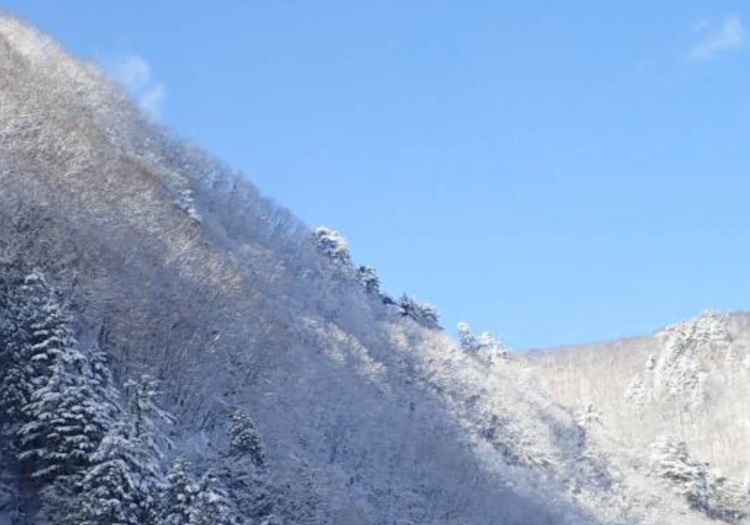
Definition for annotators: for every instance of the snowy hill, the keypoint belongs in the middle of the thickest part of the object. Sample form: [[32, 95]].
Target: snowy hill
[[225, 360], [683, 389]]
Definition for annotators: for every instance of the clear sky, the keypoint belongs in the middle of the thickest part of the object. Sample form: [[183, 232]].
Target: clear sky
[[555, 172]]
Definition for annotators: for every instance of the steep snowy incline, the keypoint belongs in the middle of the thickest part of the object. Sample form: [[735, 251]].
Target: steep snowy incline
[[180, 268], [177, 266]]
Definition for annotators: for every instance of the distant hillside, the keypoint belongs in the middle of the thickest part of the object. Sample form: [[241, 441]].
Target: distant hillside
[[689, 380]]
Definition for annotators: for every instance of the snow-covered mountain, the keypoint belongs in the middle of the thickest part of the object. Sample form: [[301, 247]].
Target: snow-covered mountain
[[683, 390], [182, 349]]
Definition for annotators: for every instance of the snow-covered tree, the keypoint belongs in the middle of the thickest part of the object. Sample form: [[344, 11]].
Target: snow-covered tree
[[41, 332], [672, 462], [185, 200], [59, 419], [112, 490], [333, 245], [728, 501], [245, 440], [369, 279], [121, 484], [103, 387], [178, 495], [492, 347], [62, 430], [486, 345], [423, 313], [68, 417], [144, 415], [246, 475], [211, 506], [466, 338]]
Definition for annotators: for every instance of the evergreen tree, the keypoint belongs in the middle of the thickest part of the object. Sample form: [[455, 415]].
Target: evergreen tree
[[491, 347], [369, 279], [179, 495], [112, 490], [673, 462], [57, 440], [244, 439], [84, 412], [54, 418], [60, 416], [120, 486], [144, 414], [245, 473], [102, 384], [423, 313], [333, 245], [211, 505], [35, 334], [466, 338]]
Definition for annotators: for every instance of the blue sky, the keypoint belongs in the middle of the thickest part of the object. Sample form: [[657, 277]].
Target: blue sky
[[555, 172]]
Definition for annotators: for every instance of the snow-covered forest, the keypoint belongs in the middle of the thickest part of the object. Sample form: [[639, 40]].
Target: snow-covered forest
[[177, 349]]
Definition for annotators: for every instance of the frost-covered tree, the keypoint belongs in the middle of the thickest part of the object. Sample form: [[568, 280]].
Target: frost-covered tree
[[211, 506], [41, 333], [333, 245], [121, 485], [60, 418], [62, 430], [729, 501], [487, 345], [672, 462], [144, 415], [102, 384], [113, 488], [466, 338], [423, 313], [705, 490], [245, 474], [68, 417], [492, 347], [178, 495], [369, 279], [245, 440]]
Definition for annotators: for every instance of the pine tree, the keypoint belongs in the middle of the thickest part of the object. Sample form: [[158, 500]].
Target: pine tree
[[112, 490], [672, 462], [56, 440], [144, 414], [245, 473], [142, 417], [69, 416], [211, 505], [333, 245], [35, 333], [466, 338], [102, 384], [244, 439], [54, 418], [85, 411], [179, 494], [423, 313], [60, 415], [120, 486], [492, 348], [369, 279]]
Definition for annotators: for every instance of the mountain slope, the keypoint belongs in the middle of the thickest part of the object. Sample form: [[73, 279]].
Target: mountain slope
[[177, 266], [687, 384]]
